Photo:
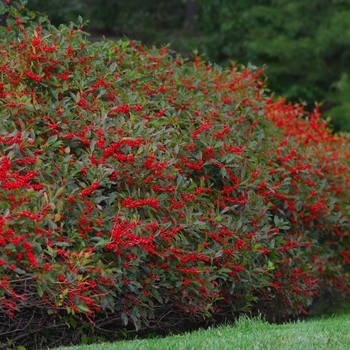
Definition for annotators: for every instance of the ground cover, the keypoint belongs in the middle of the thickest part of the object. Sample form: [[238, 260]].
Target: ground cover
[[331, 332]]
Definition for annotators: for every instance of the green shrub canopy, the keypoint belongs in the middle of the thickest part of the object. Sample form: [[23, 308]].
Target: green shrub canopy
[[140, 189]]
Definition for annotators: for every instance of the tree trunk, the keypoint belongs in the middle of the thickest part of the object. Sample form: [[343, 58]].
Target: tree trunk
[[191, 15]]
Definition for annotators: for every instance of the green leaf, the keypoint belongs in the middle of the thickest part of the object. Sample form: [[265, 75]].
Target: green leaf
[[11, 247], [19, 271], [113, 67], [82, 308], [40, 288], [271, 265], [124, 318], [102, 242]]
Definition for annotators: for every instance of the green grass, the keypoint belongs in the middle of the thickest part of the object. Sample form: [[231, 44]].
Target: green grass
[[329, 332]]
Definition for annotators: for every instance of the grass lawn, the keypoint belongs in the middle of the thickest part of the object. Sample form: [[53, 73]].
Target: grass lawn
[[328, 332]]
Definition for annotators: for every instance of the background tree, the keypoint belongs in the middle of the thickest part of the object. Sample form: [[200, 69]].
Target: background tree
[[3, 16], [305, 44]]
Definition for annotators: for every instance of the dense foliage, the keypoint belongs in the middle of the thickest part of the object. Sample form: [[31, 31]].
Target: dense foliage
[[305, 44], [141, 191]]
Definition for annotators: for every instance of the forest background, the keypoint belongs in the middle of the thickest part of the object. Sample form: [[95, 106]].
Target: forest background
[[304, 45]]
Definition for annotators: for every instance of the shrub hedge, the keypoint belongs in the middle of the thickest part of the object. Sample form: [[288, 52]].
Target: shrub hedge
[[142, 191]]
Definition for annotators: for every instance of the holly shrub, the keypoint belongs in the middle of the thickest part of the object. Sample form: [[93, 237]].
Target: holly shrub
[[140, 191]]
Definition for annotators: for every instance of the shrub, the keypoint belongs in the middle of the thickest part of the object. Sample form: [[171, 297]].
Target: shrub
[[140, 189]]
